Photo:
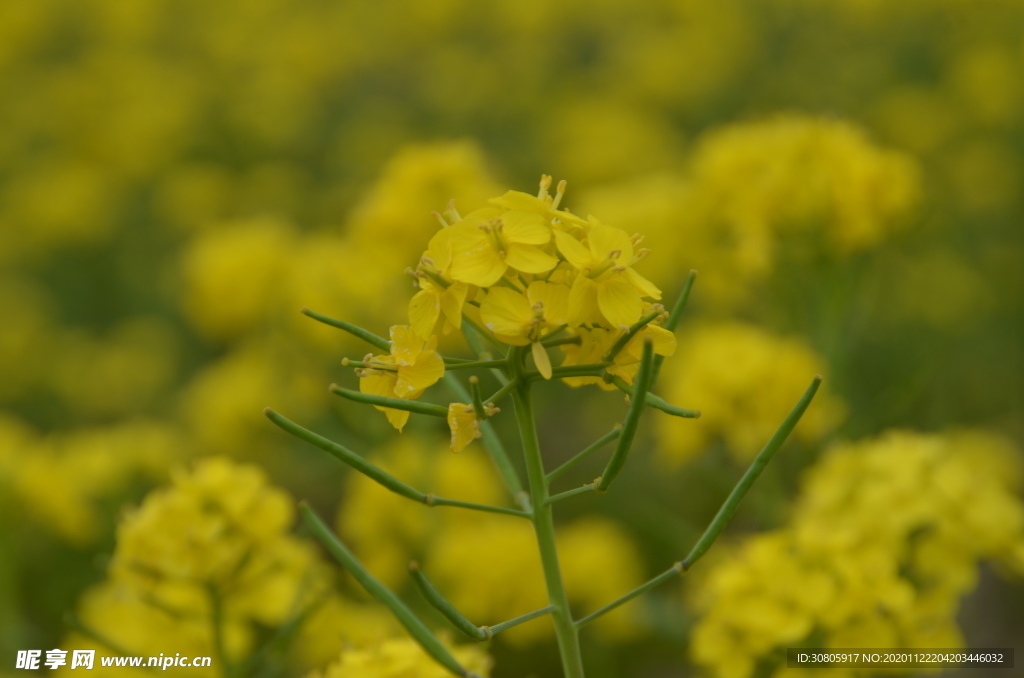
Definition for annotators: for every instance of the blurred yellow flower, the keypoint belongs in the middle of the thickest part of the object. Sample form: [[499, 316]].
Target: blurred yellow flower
[[402, 658], [883, 542], [744, 381]]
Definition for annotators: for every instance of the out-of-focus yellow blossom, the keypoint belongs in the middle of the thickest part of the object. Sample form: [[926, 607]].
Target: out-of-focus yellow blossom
[[499, 552], [215, 542], [487, 566], [412, 366], [745, 380], [124, 372], [335, 623], [26, 329], [221, 405], [232, 276], [130, 622], [752, 192], [393, 218], [370, 512], [61, 479], [884, 541], [402, 658], [36, 222]]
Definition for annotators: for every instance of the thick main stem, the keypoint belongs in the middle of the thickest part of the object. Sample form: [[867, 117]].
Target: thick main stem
[[544, 526]]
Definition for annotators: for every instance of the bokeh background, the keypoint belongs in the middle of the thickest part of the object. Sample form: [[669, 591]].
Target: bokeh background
[[178, 178]]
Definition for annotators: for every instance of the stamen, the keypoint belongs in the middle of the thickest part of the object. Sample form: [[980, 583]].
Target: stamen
[[437, 215], [545, 184], [452, 213], [559, 192]]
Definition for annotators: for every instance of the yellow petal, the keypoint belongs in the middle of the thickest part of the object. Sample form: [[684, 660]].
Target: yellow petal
[[555, 299], [424, 309], [528, 228], [605, 239], [517, 200], [642, 284], [413, 379], [452, 300], [542, 359], [506, 312], [583, 306], [575, 252], [619, 301], [383, 384], [664, 341], [482, 267], [529, 258], [464, 425], [439, 250], [406, 344]]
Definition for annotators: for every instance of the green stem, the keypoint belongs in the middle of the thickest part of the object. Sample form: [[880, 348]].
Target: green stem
[[544, 527], [571, 493], [504, 626], [586, 452], [473, 364], [657, 402], [367, 336], [500, 393], [431, 500], [497, 345], [728, 509], [416, 628], [591, 370], [675, 315], [394, 403], [644, 377], [217, 623], [378, 474], [441, 604], [673, 571], [632, 332]]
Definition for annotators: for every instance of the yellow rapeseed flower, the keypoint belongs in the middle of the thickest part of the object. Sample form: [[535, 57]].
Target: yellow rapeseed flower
[[487, 242], [607, 289], [520, 319], [412, 366], [439, 295]]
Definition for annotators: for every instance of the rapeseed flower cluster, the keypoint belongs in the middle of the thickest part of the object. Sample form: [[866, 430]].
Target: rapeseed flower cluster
[[524, 270], [884, 541], [208, 566], [754, 195], [401, 658], [744, 378]]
